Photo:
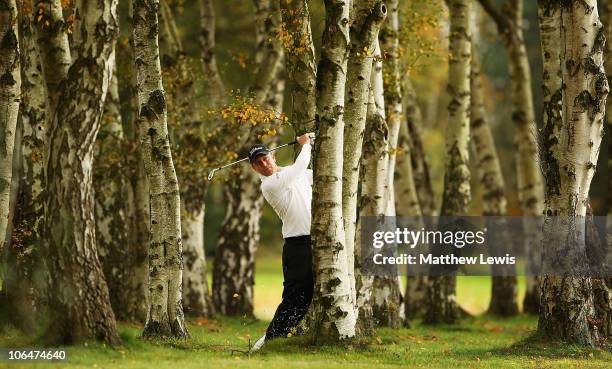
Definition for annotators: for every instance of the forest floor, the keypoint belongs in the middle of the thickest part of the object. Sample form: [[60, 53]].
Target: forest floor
[[480, 342]]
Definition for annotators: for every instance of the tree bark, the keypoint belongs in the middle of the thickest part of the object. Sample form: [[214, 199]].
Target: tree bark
[[137, 203], [418, 158], [300, 64], [504, 289], [216, 87], [571, 149], [530, 189], [165, 311], [366, 20], [234, 266], [185, 124], [422, 202], [10, 97], [72, 126], [332, 303], [110, 181], [387, 301], [23, 284], [456, 198]]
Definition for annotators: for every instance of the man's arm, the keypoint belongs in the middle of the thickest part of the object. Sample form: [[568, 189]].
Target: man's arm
[[290, 173]]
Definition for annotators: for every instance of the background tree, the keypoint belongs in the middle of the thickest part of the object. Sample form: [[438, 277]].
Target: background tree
[[387, 291], [504, 290], [296, 37], [234, 266], [165, 311], [456, 198], [76, 83], [509, 22], [10, 85], [10, 98], [570, 149]]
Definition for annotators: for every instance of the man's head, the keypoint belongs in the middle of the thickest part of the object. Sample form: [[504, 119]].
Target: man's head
[[262, 161]]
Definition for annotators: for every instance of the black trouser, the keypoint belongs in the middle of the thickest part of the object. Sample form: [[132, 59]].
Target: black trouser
[[297, 286]]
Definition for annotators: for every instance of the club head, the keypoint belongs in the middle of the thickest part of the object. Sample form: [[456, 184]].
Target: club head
[[211, 174]]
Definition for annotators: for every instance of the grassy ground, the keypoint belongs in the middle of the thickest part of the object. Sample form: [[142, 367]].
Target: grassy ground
[[482, 342]]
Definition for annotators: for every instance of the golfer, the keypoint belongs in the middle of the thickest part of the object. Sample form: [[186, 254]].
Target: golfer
[[289, 191]]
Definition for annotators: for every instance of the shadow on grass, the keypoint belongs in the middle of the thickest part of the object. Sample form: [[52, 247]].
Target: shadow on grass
[[536, 346]]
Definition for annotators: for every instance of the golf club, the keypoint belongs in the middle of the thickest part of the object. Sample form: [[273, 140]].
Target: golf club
[[212, 172]]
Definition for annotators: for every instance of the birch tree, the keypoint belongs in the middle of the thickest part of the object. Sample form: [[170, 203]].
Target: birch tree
[[10, 96], [76, 91], [165, 311], [332, 303], [186, 124], [110, 181], [134, 307], [414, 189], [418, 157], [300, 63], [456, 197], [366, 20], [509, 22], [504, 288], [570, 151], [234, 266], [387, 291]]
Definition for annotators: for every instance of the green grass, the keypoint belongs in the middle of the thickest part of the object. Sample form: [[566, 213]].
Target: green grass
[[481, 342]]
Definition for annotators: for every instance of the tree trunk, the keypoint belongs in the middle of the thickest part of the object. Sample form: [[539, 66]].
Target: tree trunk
[[23, 283], [418, 158], [165, 311], [366, 20], [300, 64], [422, 202], [198, 300], [186, 124], [456, 198], [530, 191], [109, 178], [372, 201], [387, 301], [504, 299], [332, 303], [10, 97], [72, 127], [137, 203], [216, 88], [529, 179], [566, 309], [234, 266], [549, 13]]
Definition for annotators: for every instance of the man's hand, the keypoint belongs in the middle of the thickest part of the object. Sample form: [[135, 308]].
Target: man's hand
[[304, 139]]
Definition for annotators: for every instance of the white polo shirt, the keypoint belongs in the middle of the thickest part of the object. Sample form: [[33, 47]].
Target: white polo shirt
[[289, 192]]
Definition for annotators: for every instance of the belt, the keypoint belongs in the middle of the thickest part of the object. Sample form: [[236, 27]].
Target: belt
[[303, 238]]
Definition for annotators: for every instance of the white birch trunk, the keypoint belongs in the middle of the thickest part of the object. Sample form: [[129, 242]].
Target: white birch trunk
[[10, 96], [366, 19], [456, 198], [332, 303], [488, 169], [566, 309], [76, 95], [165, 311]]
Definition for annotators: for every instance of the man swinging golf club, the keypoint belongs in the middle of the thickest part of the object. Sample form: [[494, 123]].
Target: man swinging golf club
[[289, 191]]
